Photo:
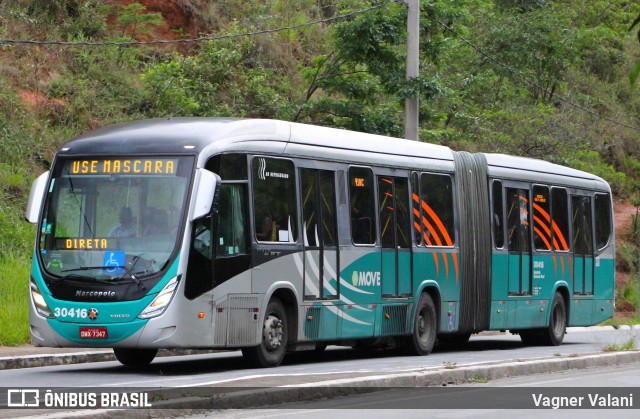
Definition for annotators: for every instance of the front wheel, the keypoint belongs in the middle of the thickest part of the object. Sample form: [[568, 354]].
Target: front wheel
[[130, 357], [424, 327], [273, 344]]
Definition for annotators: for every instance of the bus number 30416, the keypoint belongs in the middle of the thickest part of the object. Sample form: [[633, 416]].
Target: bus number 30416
[[70, 312]]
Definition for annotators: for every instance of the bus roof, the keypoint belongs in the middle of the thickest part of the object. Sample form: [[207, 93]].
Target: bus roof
[[195, 135], [180, 135], [505, 166]]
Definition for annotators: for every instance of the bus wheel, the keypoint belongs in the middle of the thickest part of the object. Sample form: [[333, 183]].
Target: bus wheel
[[273, 346], [130, 357], [424, 327], [554, 334]]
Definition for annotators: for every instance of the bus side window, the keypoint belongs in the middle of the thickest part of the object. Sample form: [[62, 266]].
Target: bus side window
[[274, 200], [560, 219], [498, 210], [436, 200], [582, 225], [603, 220], [518, 220], [417, 208], [231, 238], [541, 218], [361, 205], [200, 268]]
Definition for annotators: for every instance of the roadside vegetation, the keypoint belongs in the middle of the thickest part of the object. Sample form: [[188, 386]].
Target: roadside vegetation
[[543, 79], [629, 345]]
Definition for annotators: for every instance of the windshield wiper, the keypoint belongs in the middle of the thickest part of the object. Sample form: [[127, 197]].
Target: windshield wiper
[[78, 278], [129, 271], [89, 268]]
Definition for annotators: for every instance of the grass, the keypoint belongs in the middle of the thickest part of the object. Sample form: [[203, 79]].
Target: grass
[[477, 378], [617, 322], [14, 310], [629, 345]]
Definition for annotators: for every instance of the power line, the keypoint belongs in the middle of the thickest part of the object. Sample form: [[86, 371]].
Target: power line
[[192, 40], [532, 83]]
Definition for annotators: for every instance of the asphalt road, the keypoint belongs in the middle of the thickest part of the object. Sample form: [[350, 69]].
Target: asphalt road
[[484, 355], [229, 369], [376, 405]]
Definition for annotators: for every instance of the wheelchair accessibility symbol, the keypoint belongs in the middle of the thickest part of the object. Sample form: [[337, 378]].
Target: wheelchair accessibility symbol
[[113, 263]]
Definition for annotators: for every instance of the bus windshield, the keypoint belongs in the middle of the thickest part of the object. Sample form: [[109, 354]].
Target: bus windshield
[[113, 218]]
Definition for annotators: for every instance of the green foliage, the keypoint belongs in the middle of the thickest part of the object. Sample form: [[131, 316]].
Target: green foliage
[[617, 322], [629, 345], [542, 79], [14, 310], [225, 78], [361, 83], [633, 75], [133, 19], [629, 292], [628, 258], [537, 45], [590, 161]]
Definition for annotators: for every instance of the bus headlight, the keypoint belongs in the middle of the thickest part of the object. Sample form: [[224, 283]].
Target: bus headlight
[[161, 302], [38, 301]]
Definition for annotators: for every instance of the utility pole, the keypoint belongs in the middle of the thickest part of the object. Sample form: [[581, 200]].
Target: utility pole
[[413, 50]]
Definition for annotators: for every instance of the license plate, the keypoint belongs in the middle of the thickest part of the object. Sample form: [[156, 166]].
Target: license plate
[[93, 332]]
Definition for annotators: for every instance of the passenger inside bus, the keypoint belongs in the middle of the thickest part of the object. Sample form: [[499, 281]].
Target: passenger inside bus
[[157, 222], [266, 228], [126, 227]]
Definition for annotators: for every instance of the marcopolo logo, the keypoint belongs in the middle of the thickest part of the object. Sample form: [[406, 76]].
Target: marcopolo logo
[[368, 279]]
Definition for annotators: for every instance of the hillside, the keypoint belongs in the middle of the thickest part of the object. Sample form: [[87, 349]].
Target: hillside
[[543, 79]]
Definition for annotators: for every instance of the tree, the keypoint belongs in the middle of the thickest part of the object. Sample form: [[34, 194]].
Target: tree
[[635, 69]]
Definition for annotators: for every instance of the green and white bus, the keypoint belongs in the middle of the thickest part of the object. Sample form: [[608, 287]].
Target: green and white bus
[[270, 236]]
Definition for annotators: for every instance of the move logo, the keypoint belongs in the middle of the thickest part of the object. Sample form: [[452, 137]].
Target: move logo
[[368, 279]]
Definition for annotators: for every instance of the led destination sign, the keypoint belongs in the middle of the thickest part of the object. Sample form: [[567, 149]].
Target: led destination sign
[[123, 166]]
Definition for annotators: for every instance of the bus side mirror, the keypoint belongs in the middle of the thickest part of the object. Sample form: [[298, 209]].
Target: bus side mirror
[[205, 191], [36, 196]]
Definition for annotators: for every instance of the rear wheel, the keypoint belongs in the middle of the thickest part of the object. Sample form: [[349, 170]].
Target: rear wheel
[[424, 327], [273, 344], [554, 334], [130, 357]]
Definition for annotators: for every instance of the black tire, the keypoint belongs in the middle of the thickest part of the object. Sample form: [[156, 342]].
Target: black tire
[[273, 344], [423, 338], [135, 358], [554, 334]]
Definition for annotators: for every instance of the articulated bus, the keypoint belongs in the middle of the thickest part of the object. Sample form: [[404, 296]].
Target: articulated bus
[[270, 236]]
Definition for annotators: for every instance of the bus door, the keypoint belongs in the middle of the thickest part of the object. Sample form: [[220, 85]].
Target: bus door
[[582, 245], [395, 235], [519, 241], [321, 260]]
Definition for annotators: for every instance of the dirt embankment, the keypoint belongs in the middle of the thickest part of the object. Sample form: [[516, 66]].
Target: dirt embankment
[[623, 213]]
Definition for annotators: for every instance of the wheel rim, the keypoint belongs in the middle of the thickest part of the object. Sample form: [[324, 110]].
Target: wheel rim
[[273, 333], [421, 325]]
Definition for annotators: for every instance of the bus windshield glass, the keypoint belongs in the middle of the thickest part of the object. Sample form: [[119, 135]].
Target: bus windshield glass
[[113, 218]]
